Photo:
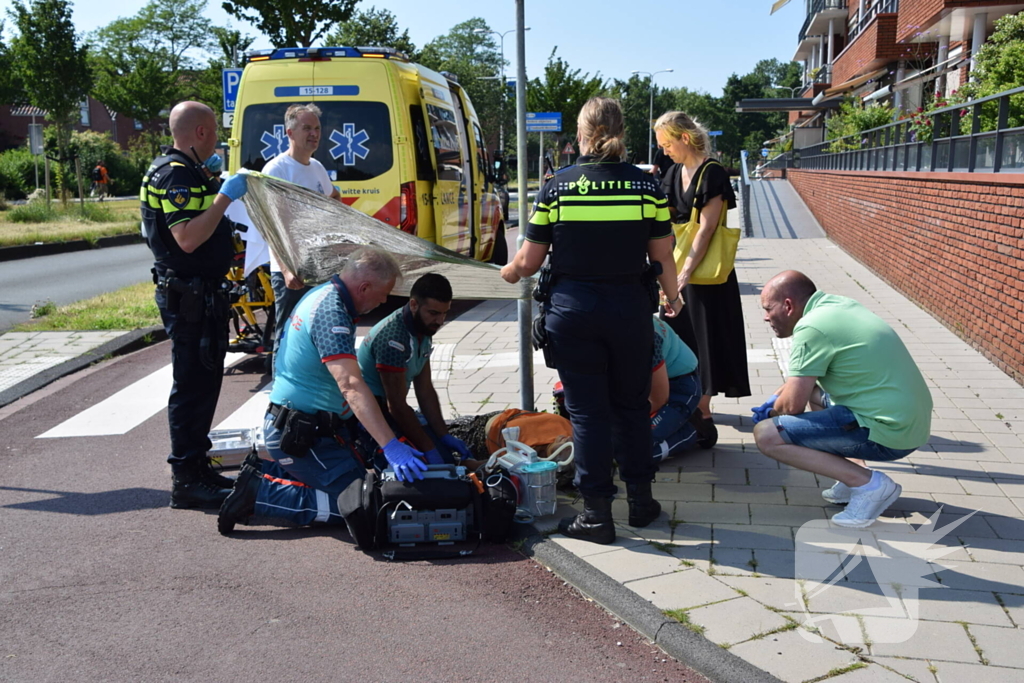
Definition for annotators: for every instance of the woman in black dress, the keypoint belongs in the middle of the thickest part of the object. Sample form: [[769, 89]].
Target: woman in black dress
[[713, 326]]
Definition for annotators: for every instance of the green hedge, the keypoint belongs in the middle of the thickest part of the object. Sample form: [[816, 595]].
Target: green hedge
[[17, 173]]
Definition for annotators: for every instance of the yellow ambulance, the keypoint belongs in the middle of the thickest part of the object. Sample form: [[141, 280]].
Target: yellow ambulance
[[401, 142]]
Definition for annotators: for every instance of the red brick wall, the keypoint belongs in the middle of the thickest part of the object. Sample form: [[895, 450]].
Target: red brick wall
[[952, 242], [917, 15], [922, 15], [870, 49]]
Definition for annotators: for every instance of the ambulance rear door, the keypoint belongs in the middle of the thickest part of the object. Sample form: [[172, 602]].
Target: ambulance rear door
[[450, 151]]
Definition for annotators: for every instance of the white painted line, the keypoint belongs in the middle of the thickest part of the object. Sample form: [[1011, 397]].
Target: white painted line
[[249, 414], [123, 411]]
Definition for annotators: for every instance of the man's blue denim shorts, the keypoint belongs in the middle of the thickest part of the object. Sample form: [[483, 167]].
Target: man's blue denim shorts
[[835, 430]]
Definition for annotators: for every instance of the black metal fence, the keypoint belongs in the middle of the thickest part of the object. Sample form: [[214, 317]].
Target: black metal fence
[[932, 142], [816, 7]]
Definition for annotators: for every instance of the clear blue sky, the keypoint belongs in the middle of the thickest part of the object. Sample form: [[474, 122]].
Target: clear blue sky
[[703, 41]]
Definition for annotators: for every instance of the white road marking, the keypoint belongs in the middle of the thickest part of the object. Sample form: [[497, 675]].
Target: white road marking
[[125, 410]]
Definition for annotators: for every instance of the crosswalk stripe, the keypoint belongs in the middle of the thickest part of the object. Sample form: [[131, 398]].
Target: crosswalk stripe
[[119, 413], [126, 409], [250, 413]]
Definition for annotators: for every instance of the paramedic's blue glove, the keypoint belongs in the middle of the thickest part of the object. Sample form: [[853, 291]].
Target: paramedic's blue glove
[[761, 411], [433, 457], [458, 445], [234, 187], [404, 460]]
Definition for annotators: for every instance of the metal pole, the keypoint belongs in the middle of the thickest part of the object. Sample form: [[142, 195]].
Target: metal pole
[[650, 127], [540, 160], [525, 307], [504, 92]]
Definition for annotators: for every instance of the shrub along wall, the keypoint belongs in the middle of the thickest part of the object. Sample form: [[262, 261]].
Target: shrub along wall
[[952, 242]]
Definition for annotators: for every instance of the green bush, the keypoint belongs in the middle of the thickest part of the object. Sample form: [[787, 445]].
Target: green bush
[[17, 173], [851, 120], [39, 212]]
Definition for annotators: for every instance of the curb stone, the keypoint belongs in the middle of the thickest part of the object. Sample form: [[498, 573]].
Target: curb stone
[[126, 343], [23, 251], [692, 649]]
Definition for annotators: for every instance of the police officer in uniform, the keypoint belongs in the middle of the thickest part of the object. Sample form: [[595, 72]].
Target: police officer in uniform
[[603, 219], [183, 218]]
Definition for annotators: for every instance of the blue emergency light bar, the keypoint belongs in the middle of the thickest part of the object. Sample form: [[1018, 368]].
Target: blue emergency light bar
[[322, 53]]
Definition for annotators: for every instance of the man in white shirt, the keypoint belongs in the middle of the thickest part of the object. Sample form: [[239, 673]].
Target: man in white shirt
[[297, 165]]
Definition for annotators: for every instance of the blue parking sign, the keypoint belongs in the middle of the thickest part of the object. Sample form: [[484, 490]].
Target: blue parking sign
[[230, 79]]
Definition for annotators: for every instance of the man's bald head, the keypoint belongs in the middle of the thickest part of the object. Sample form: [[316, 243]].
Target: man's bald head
[[791, 284], [783, 299], [193, 124]]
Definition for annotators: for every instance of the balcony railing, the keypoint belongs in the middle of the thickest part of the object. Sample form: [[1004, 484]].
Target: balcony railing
[[858, 23], [905, 145], [818, 6]]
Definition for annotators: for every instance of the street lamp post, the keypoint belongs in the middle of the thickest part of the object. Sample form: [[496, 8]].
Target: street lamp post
[[650, 113], [504, 85]]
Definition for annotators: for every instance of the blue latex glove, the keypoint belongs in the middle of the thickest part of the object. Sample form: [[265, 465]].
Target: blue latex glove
[[458, 445], [404, 460], [235, 187], [433, 457], [215, 164], [761, 411]]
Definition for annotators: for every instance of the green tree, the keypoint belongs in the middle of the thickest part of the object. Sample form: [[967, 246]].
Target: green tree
[[472, 55], [563, 89], [292, 23], [10, 88], [139, 60], [634, 95], [232, 45], [52, 66], [373, 28], [999, 67]]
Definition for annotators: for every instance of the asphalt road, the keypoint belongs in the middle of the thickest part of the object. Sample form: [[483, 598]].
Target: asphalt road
[[66, 278], [102, 581]]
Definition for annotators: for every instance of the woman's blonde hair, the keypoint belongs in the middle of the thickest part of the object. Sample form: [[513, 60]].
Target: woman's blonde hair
[[675, 123], [601, 126]]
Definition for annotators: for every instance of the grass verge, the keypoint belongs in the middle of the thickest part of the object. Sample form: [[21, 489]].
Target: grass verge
[[125, 309], [31, 223]]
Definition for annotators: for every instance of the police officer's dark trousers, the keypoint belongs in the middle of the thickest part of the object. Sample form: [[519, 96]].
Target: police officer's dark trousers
[[198, 374], [602, 341]]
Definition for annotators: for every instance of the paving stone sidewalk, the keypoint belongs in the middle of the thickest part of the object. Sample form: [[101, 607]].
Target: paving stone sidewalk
[[24, 354], [738, 529]]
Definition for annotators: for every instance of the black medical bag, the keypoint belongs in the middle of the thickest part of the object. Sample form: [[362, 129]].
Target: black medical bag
[[446, 514]]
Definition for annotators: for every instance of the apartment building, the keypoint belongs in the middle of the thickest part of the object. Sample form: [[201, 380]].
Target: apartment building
[[898, 51]]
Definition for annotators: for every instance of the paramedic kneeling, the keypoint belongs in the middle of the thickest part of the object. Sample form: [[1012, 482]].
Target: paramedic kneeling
[[309, 427], [868, 399], [396, 353]]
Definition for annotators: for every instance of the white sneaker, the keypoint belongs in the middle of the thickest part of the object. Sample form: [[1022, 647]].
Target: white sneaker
[[839, 494], [865, 507]]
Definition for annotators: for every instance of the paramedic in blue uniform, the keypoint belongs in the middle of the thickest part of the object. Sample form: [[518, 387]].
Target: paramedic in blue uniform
[[675, 394], [396, 353], [318, 384], [602, 219], [183, 218]]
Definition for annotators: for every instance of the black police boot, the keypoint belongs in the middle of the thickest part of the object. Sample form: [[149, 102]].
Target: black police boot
[[215, 478], [240, 506], [191, 489], [707, 432], [643, 509], [593, 524]]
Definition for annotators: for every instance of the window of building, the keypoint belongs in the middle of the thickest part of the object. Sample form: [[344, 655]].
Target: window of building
[[84, 109]]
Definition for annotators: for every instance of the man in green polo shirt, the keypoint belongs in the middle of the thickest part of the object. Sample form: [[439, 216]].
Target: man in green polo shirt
[[867, 398]]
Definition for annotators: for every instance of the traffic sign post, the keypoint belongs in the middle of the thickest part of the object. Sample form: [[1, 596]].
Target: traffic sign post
[[230, 78], [546, 122], [713, 134]]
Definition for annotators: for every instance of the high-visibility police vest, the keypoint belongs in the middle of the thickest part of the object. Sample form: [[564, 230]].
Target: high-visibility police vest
[[175, 190]]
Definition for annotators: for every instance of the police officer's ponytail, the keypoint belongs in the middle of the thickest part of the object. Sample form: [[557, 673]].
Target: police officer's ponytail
[[602, 128]]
